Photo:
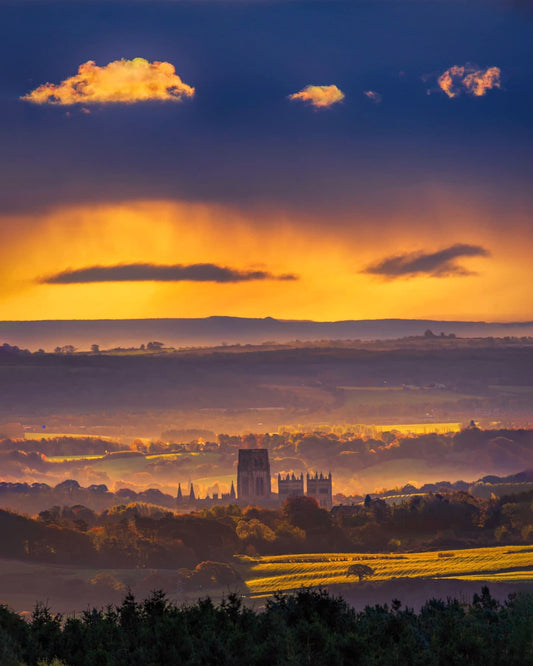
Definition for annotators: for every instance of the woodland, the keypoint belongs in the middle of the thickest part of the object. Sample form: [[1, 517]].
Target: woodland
[[144, 536], [308, 627]]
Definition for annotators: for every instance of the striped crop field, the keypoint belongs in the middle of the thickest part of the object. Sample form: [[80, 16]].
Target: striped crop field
[[265, 575]]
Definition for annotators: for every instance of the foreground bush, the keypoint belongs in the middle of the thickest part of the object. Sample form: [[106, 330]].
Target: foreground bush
[[309, 627]]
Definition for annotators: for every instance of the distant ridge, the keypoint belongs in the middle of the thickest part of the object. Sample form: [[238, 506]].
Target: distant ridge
[[216, 330]]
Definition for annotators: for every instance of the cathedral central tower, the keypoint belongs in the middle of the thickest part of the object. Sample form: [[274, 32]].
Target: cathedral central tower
[[253, 476]]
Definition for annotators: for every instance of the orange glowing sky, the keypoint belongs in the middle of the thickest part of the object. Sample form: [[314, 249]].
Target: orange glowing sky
[[328, 259]]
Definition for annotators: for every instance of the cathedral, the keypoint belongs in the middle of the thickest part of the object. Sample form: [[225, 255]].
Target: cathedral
[[254, 486], [317, 486]]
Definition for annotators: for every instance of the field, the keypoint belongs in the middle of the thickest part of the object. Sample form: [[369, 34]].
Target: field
[[417, 428], [399, 395], [38, 436], [265, 575], [69, 588]]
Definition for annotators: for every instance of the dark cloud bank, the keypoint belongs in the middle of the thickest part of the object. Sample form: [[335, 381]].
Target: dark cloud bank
[[157, 273], [435, 264]]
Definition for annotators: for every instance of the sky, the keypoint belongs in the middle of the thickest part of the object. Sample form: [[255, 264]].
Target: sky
[[298, 159]]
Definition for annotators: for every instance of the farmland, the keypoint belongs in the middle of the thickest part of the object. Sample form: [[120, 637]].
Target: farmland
[[265, 575], [71, 588]]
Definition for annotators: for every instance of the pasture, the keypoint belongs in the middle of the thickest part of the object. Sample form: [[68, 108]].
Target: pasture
[[265, 575], [399, 395]]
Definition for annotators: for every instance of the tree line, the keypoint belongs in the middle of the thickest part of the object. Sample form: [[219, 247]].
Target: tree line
[[140, 535], [309, 627]]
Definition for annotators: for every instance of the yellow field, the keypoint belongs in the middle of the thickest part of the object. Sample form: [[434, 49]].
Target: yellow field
[[372, 430], [56, 435], [60, 459], [265, 575], [421, 428]]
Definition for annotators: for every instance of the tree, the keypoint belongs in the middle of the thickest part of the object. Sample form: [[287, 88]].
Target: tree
[[154, 345], [65, 349], [361, 570], [95, 349], [305, 513]]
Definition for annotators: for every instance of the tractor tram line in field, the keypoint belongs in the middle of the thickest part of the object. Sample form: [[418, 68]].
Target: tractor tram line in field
[[266, 575]]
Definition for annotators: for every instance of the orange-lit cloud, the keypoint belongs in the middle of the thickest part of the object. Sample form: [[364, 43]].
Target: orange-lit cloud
[[121, 81], [319, 96], [142, 272], [434, 264], [469, 79], [373, 96]]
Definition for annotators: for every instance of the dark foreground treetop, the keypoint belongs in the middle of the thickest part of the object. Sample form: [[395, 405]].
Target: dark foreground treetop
[[309, 627]]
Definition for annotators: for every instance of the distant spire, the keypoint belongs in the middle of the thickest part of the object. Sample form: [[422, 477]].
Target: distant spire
[[180, 495], [232, 491], [192, 496]]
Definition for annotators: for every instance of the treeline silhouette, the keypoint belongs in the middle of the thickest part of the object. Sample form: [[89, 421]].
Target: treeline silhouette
[[309, 627], [131, 536]]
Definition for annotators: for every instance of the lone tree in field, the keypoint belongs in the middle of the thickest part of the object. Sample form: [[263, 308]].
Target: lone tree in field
[[361, 570]]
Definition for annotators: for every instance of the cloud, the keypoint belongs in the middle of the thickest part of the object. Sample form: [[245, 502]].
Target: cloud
[[373, 96], [429, 264], [122, 81], [469, 79], [319, 96], [158, 273]]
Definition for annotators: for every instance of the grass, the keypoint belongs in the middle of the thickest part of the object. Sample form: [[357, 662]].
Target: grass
[[397, 395], [68, 588], [265, 575], [513, 390]]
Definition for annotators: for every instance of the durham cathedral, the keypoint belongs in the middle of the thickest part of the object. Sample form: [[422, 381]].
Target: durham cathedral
[[254, 486]]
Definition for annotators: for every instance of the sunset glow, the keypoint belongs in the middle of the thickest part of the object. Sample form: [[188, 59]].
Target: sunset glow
[[329, 270]]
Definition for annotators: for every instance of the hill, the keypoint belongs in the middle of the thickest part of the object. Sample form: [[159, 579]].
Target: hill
[[215, 330]]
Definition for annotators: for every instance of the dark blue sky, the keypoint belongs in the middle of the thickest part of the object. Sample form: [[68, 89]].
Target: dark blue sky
[[239, 137]]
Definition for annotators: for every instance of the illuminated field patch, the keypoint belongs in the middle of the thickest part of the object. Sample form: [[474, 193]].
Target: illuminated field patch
[[265, 575], [60, 459], [38, 436], [420, 428]]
